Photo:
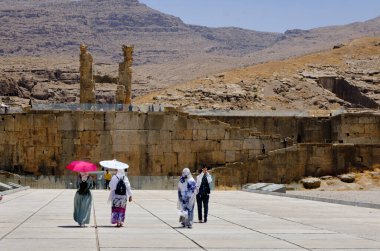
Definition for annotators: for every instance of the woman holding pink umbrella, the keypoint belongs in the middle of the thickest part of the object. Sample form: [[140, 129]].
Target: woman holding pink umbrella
[[83, 196]]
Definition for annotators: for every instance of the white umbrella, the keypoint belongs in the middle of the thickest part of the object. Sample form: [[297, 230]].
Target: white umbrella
[[113, 164]]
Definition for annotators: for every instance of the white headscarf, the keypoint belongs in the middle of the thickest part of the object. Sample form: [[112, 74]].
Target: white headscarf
[[120, 173]]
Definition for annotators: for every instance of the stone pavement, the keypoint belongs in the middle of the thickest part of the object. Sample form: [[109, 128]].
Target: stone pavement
[[42, 220]]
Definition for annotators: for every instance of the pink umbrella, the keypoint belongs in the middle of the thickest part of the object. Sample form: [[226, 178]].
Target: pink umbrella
[[81, 166]]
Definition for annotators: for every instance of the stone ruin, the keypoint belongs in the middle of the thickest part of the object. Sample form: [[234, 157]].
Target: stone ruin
[[123, 93], [87, 85], [163, 143], [125, 72]]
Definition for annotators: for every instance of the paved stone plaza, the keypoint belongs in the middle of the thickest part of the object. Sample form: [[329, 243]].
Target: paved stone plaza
[[42, 220]]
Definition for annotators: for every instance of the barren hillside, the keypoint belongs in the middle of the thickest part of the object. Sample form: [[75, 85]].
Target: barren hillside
[[344, 77]]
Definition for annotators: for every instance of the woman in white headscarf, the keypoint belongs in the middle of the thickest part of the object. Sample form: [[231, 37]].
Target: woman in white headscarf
[[187, 191], [119, 197], [83, 200]]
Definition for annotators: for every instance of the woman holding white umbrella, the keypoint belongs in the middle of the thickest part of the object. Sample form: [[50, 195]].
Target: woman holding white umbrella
[[120, 191]]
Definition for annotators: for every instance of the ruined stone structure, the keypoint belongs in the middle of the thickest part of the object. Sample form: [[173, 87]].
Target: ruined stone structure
[[120, 94], [157, 143], [125, 72], [87, 86]]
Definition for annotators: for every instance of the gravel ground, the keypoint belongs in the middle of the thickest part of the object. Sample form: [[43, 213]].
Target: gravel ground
[[355, 196]]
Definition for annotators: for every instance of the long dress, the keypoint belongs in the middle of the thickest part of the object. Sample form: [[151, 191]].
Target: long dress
[[119, 202], [187, 191], [82, 203]]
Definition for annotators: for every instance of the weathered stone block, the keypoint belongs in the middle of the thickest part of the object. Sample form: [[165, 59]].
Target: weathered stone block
[[43, 120], [198, 124], [183, 134], [166, 147], [66, 122], [371, 129], [156, 121], [357, 129], [53, 139], [155, 150], [99, 121], [89, 138], [216, 134], [129, 121], [253, 153], [154, 137], [109, 120], [9, 123], [252, 143], [23, 121], [134, 137], [365, 120], [238, 134], [175, 122], [186, 159], [156, 163], [80, 122], [231, 145], [40, 136], [311, 183], [180, 146], [203, 158], [128, 149], [165, 137], [218, 157], [88, 121], [171, 163], [204, 146], [230, 156], [199, 134]]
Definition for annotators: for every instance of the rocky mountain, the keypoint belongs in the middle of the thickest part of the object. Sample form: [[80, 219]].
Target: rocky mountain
[[36, 28], [39, 46]]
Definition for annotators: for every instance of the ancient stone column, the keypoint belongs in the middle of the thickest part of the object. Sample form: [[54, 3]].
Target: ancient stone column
[[87, 86], [125, 72], [120, 94]]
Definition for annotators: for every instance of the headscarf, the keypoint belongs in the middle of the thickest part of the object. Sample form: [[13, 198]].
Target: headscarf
[[120, 173], [84, 176], [186, 190]]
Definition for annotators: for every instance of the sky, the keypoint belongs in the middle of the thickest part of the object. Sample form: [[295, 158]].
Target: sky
[[268, 15]]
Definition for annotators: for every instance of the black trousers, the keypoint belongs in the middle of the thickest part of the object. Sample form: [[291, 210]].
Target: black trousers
[[202, 199]]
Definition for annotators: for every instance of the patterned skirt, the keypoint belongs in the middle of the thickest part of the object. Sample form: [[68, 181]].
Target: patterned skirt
[[119, 203]]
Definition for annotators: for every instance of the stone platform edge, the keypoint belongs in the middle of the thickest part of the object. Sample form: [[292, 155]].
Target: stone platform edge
[[327, 200], [14, 190]]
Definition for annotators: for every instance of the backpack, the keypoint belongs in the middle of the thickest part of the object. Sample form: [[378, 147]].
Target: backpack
[[83, 188], [121, 189]]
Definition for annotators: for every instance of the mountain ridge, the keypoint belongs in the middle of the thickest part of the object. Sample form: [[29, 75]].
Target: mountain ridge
[[46, 35]]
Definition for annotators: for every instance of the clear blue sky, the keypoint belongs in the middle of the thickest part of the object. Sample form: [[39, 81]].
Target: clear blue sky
[[268, 15]]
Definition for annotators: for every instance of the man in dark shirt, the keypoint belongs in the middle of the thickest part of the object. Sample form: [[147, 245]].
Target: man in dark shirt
[[203, 185]]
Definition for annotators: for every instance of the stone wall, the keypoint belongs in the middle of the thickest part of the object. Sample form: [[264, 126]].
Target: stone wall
[[303, 129], [357, 128], [293, 163], [152, 143], [157, 143]]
